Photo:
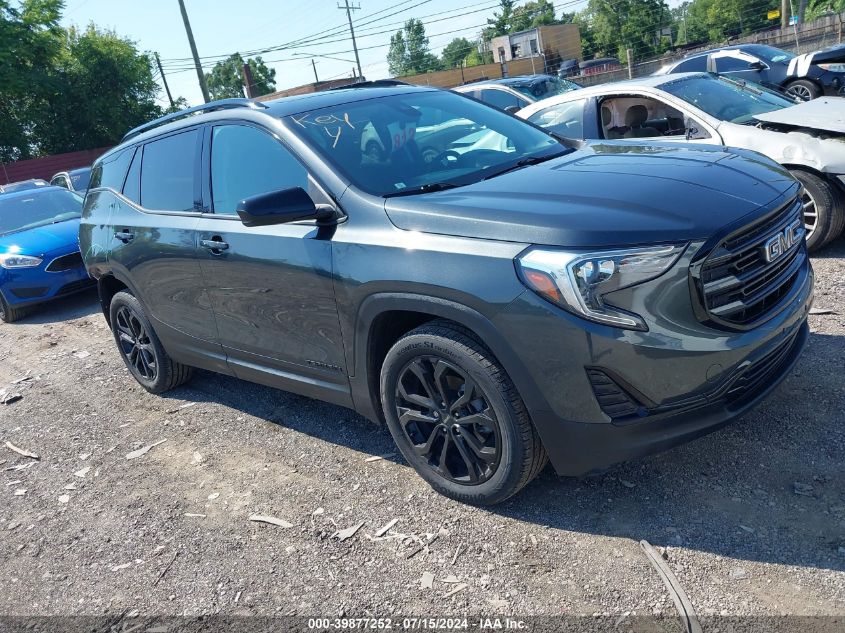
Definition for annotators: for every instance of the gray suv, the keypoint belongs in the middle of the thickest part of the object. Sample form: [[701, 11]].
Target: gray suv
[[513, 299]]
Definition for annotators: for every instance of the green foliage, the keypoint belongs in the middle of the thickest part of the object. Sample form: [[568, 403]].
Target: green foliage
[[533, 14], [63, 90], [409, 53], [226, 81], [501, 22], [456, 51], [617, 25]]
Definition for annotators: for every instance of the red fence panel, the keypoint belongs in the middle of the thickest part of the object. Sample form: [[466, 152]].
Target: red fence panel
[[46, 166]]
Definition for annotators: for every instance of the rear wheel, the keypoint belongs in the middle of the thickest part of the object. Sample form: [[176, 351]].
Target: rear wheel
[[8, 314], [803, 89], [141, 349], [457, 417], [824, 215]]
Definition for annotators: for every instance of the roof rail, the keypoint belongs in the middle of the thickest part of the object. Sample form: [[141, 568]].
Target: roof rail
[[211, 106], [377, 83]]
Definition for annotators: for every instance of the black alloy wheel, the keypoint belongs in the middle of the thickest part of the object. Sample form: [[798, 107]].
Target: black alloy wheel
[[448, 420], [135, 344]]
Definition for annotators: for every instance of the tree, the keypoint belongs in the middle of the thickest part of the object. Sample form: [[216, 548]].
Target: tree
[[456, 51], [532, 14], [30, 42], [501, 23], [409, 53], [620, 24], [225, 81]]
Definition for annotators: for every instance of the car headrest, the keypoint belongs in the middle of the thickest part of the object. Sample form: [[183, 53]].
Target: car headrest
[[636, 115], [606, 116]]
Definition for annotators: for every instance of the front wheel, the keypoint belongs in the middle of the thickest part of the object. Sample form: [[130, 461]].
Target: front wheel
[[140, 348], [803, 89], [8, 314], [457, 417], [824, 215]]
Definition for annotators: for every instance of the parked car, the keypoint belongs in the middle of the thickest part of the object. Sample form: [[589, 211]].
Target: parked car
[[806, 76], [24, 185], [39, 249], [73, 180], [598, 65], [513, 93], [493, 308], [806, 138], [568, 68]]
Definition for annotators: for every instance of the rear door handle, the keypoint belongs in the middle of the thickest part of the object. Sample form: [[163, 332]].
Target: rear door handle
[[215, 244], [124, 235]]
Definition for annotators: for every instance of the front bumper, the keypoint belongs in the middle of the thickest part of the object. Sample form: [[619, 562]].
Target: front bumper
[[28, 286], [684, 379]]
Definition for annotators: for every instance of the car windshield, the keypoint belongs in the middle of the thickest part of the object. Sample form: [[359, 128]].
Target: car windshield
[[24, 185], [39, 208], [727, 99], [545, 88], [420, 141], [771, 54], [79, 179]]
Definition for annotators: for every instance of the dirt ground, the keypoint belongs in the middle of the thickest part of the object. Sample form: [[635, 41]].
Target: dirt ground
[[752, 518]]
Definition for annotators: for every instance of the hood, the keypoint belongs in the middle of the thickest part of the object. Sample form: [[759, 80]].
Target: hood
[[831, 55], [825, 113], [605, 194], [44, 240]]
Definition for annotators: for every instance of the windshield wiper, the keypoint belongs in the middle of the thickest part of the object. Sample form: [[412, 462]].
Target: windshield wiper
[[427, 188], [525, 162]]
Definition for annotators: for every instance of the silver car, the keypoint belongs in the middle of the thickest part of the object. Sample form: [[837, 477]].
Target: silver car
[[808, 138]]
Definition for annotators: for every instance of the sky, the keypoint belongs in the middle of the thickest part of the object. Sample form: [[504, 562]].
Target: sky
[[224, 27]]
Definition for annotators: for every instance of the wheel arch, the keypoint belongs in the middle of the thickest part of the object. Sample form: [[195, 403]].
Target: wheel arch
[[107, 287], [384, 317]]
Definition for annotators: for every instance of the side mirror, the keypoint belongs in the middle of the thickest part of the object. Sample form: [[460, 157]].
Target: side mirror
[[281, 207], [758, 65], [512, 109]]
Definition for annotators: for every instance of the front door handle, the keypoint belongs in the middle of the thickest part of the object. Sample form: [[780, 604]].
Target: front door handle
[[124, 235], [215, 244]]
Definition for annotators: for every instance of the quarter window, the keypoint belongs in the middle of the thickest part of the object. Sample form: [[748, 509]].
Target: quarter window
[[732, 64], [167, 174], [246, 162], [132, 187], [111, 171]]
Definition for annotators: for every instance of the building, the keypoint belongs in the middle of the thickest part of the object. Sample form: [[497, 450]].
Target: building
[[553, 43]]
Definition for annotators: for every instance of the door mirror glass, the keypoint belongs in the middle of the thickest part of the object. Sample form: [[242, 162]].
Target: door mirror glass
[[512, 109], [281, 207], [758, 65]]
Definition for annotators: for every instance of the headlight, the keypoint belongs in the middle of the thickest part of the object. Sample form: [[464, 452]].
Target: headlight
[[578, 281], [834, 68], [12, 260]]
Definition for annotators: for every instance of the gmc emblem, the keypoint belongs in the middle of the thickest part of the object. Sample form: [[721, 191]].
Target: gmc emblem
[[781, 242]]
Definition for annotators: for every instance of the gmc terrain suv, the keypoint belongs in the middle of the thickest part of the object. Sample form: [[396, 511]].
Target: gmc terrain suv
[[512, 298]]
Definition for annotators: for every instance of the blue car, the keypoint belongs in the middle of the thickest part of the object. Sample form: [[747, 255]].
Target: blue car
[[39, 249]]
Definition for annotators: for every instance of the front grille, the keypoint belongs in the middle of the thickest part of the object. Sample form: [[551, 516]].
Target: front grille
[[737, 285], [65, 262], [760, 372]]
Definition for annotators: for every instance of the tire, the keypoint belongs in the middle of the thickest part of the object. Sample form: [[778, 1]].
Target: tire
[[803, 89], [141, 349], [493, 449], [8, 314], [826, 201]]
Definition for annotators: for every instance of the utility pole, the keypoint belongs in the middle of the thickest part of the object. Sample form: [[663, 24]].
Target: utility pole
[[785, 13], [349, 9], [190, 33], [164, 81], [249, 83], [314, 66]]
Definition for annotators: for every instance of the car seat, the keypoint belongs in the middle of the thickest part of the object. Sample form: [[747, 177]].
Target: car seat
[[606, 120], [635, 116]]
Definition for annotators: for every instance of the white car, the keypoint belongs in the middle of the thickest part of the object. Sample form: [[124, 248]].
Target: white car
[[807, 138]]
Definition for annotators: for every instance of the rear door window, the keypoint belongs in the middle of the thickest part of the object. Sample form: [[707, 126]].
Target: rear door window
[[501, 99], [694, 65], [566, 119], [111, 171], [167, 173]]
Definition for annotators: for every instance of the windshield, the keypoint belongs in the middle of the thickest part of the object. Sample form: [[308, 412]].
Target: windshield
[[727, 99], [771, 54], [28, 211], [79, 179], [546, 88], [24, 185], [418, 141]]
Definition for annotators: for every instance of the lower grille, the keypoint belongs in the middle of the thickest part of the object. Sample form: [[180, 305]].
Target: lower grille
[[760, 373], [29, 293], [740, 283], [75, 286], [65, 262]]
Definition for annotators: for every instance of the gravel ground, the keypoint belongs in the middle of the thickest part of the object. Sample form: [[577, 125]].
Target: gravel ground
[[752, 518]]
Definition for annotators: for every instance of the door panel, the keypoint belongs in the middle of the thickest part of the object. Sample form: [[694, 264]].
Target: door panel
[[270, 287]]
